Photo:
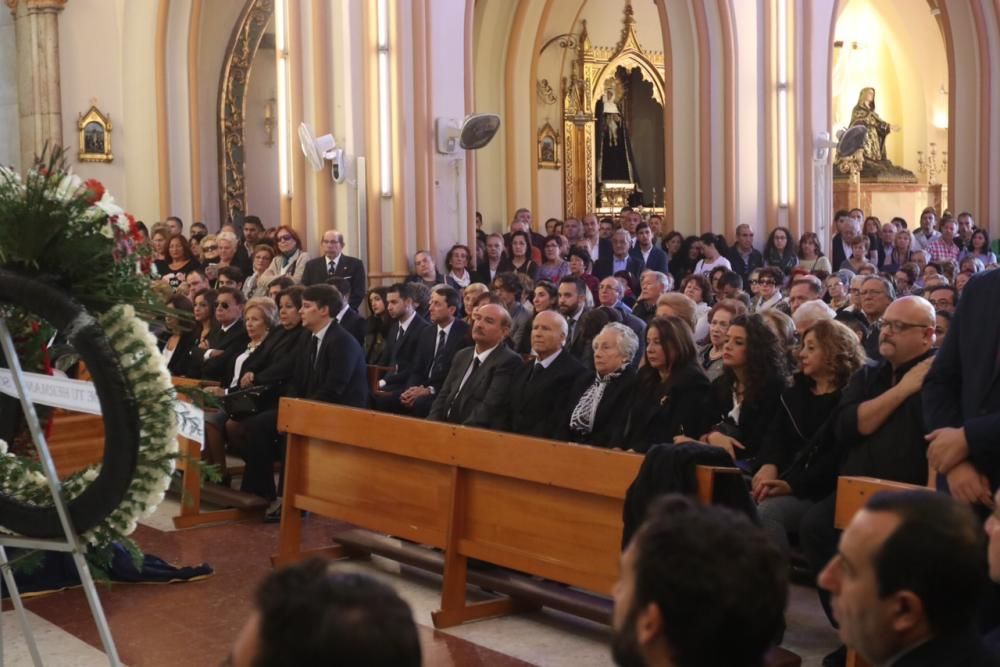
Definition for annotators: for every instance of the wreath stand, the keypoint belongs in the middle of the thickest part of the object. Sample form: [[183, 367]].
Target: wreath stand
[[71, 542]]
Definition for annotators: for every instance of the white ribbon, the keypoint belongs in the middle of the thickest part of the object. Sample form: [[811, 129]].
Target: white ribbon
[[80, 396]]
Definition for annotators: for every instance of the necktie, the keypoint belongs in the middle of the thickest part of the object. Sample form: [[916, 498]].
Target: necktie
[[466, 381], [332, 268], [313, 355], [437, 352], [569, 336], [536, 368]]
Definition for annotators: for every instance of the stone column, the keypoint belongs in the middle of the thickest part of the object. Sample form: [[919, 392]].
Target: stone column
[[36, 24]]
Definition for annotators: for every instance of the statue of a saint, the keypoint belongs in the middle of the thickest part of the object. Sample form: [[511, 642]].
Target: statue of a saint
[[878, 129]]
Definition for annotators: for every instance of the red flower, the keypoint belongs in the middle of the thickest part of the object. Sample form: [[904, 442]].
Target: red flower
[[93, 191]]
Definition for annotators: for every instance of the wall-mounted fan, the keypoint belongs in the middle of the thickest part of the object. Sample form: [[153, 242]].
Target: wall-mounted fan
[[474, 132], [319, 149]]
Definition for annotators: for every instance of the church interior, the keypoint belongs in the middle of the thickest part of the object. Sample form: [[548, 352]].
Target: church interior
[[708, 114]]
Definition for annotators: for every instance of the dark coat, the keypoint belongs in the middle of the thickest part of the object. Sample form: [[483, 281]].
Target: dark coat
[[963, 386], [685, 405], [232, 343], [428, 371], [657, 260], [339, 374], [400, 351], [755, 261], [963, 648], [356, 325], [484, 401], [274, 361], [611, 410], [539, 405], [755, 417], [180, 361], [351, 268], [604, 267]]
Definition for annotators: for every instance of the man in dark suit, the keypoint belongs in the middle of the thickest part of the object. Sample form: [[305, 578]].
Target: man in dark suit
[[478, 388], [742, 256], [541, 398], [573, 306], [840, 245], [962, 394], [648, 255], [355, 323], [436, 348], [619, 259], [330, 367], [334, 263], [610, 293], [401, 342], [253, 234], [592, 241], [227, 341]]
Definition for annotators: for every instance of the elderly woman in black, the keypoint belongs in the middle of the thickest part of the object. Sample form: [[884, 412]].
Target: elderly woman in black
[[749, 390], [605, 395], [672, 396]]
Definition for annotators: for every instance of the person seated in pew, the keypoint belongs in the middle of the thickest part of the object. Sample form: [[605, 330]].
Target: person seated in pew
[[330, 368], [540, 397], [401, 341], [699, 586], [790, 478], [748, 391], [602, 398], [508, 288], [309, 614], [182, 337], [436, 348], [230, 276], [279, 285], [478, 387], [215, 355], [378, 324], [907, 580], [672, 396], [348, 317], [878, 427]]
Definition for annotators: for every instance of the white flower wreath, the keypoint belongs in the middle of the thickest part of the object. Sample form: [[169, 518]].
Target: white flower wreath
[[146, 373]]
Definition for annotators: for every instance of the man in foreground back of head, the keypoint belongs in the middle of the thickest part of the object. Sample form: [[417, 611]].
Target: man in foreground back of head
[[699, 587], [306, 615], [907, 581]]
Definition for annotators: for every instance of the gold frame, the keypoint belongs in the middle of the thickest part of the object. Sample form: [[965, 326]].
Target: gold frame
[[94, 152], [548, 133]]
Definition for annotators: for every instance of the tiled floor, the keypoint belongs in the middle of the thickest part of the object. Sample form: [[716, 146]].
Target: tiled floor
[[194, 624]]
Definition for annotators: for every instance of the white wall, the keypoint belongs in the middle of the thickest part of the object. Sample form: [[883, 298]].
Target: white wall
[[261, 160]]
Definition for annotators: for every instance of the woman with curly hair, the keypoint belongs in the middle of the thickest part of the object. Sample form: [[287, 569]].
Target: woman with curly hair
[[748, 392], [672, 395], [788, 480], [779, 251]]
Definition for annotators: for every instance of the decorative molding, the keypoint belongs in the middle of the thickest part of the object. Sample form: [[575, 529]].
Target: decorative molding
[[38, 6], [566, 41], [545, 93], [243, 46]]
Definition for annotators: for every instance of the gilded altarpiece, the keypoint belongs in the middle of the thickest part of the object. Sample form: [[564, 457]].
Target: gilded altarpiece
[[591, 67]]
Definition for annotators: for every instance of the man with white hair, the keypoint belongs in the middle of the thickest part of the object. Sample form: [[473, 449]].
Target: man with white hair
[[653, 284], [811, 312], [610, 293], [541, 387]]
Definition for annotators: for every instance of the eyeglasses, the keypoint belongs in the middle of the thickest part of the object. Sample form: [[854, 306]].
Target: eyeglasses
[[209, 248], [764, 282], [285, 237], [939, 303], [896, 326], [222, 305]]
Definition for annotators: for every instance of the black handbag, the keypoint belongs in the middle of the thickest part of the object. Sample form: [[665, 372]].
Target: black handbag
[[248, 402]]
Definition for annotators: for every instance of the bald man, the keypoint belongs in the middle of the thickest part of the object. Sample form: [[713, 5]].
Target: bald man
[[478, 387], [541, 397], [879, 424]]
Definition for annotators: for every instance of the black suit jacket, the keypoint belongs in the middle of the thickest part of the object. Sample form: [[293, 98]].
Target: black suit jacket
[[484, 401], [401, 350], [428, 372], [232, 343], [351, 268], [339, 375], [355, 324], [610, 411], [180, 361], [537, 405], [657, 260], [274, 361], [685, 406], [964, 648], [837, 256], [604, 267], [962, 388]]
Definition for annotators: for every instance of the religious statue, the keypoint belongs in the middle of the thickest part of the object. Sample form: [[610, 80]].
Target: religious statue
[[615, 160], [871, 158]]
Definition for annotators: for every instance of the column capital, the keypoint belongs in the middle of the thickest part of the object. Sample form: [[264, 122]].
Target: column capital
[[38, 5]]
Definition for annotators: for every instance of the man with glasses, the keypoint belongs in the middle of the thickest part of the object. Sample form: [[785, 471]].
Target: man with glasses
[[876, 295], [944, 298], [879, 423], [743, 257], [228, 340], [335, 264]]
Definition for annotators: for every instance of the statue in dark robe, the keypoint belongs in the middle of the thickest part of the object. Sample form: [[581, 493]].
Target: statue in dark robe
[[615, 160]]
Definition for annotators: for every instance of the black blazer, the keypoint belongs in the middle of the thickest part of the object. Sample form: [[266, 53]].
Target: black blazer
[[428, 372], [274, 361], [339, 375], [963, 386], [684, 406], [484, 401], [351, 268], [538, 405], [755, 417], [612, 409], [657, 260], [180, 360], [604, 267], [401, 351], [355, 324], [837, 256], [232, 343], [482, 272]]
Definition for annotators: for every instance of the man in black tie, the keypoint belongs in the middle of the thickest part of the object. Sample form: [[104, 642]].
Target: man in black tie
[[436, 348], [331, 368], [227, 341], [542, 396], [335, 264], [400, 350], [573, 306], [478, 388]]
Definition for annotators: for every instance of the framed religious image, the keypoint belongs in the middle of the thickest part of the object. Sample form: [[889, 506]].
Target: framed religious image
[[548, 148], [95, 136]]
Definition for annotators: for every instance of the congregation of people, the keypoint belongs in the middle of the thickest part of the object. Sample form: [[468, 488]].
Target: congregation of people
[[875, 356]]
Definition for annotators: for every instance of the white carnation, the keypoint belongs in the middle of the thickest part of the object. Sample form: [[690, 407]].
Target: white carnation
[[68, 187]]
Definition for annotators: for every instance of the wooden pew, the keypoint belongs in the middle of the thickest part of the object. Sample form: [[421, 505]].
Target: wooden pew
[[539, 507], [852, 494]]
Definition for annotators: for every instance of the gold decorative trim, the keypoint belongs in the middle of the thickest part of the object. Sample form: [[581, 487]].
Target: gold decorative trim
[[95, 136], [235, 77], [548, 147]]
